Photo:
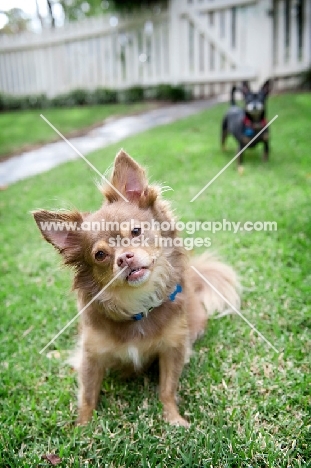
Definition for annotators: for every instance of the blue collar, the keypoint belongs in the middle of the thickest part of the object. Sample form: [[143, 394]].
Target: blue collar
[[171, 297]]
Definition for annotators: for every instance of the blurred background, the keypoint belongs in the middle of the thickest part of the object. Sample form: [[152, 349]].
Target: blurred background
[[169, 49]]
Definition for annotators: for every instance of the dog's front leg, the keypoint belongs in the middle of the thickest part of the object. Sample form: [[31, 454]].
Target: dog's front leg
[[224, 133], [171, 363], [266, 150], [91, 374], [241, 155]]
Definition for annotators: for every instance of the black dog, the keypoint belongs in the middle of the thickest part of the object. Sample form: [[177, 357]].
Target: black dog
[[244, 124]]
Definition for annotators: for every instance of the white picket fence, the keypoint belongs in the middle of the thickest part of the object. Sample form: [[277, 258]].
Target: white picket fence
[[204, 44]]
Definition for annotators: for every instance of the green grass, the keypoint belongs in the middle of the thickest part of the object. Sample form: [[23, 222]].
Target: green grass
[[248, 406], [22, 129]]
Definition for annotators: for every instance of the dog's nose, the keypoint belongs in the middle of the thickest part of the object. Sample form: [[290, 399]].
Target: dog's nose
[[126, 259]]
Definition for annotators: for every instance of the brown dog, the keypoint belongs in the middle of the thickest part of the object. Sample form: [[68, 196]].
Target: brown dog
[[142, 299]]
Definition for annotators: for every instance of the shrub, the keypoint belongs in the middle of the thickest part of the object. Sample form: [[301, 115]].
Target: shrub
[[81, 97], [62, 100], [167, 92], [133, 94], [105, 96], [305, 79], [39, 101], [9, 102], [77, 97]]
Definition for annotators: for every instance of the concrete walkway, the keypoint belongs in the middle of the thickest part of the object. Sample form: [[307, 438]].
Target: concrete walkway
[[48, 156]]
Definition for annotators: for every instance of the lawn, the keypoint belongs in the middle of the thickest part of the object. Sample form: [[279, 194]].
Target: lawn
[[21, 130], [248, 405]]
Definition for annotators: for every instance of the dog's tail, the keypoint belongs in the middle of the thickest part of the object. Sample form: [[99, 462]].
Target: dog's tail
[[218, 288], [233, 90]]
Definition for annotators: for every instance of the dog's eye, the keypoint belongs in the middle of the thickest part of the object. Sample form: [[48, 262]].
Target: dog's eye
[[136, 232], [100, 255]]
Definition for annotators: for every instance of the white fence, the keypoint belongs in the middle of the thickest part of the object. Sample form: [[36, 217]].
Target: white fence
[[205, 44]]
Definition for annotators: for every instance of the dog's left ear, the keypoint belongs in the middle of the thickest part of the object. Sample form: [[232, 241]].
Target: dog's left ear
[[266, 87], [129, 182]]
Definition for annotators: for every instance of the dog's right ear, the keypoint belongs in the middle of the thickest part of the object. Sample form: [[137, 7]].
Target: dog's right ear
[[245, 88], [61, 229]]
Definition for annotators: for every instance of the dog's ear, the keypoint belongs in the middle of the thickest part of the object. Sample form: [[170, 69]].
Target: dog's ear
[[61, 229], [128, 177], [266, 87], [129, 182], [245, 88]]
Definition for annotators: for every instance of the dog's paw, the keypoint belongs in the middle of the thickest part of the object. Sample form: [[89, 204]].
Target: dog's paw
[[84, 416], [178, 421], [241, 170], [82, 422]]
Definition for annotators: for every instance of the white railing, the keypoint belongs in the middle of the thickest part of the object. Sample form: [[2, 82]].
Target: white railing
[[292, 29], [205, 44], [88, 54]]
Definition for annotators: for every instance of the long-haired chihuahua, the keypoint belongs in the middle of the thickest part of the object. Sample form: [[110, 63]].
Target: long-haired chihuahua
[[142, 300]]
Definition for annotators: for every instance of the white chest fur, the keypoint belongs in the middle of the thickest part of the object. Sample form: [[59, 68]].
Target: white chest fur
[[134, 356]]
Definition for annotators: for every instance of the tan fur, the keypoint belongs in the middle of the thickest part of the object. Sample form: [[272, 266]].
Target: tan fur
[[222, 277], [109, 336]]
